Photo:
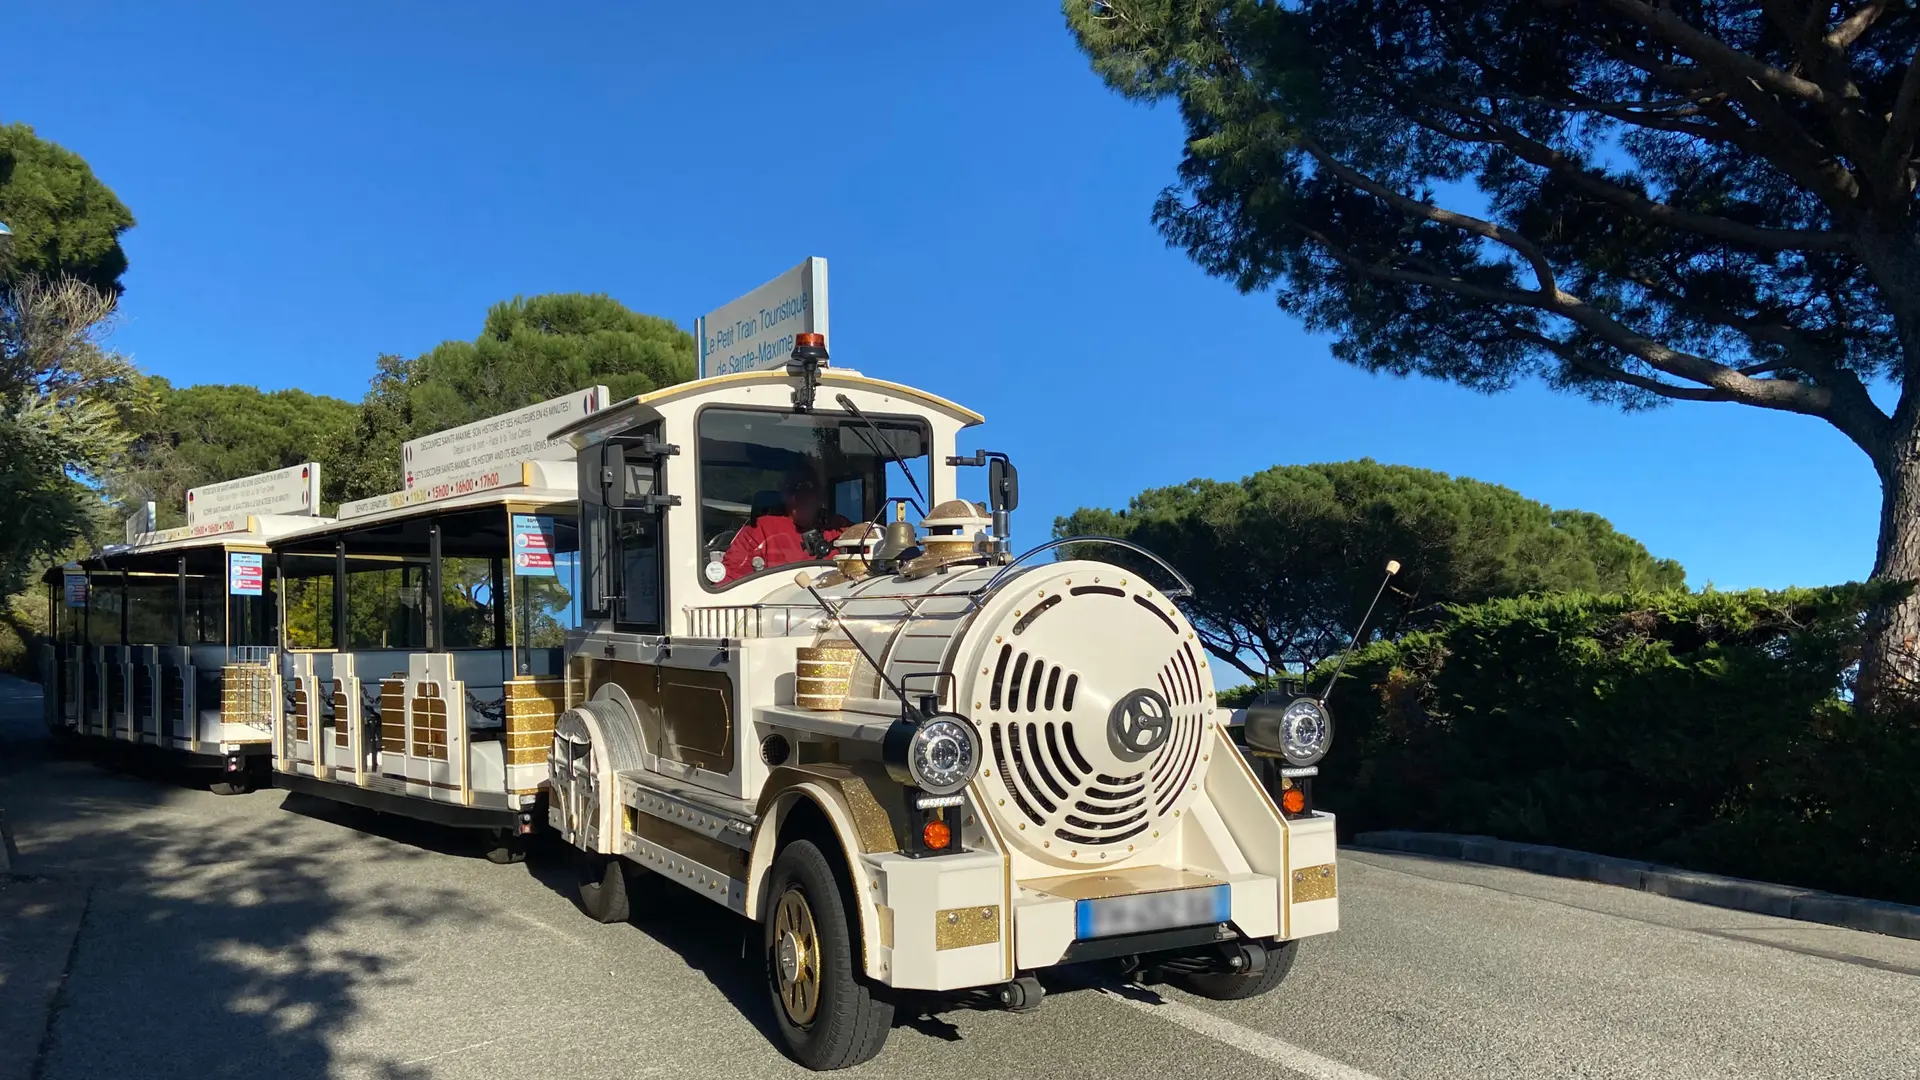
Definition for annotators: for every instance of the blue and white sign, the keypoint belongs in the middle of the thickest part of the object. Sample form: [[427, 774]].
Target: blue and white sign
[[533, 545], [755, 332], [246, 573], [76, 588]]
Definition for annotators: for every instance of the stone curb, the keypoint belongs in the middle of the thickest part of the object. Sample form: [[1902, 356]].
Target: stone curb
[[1781, 901]]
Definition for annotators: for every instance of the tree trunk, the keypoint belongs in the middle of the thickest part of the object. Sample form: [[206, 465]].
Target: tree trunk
[[1890, 665]]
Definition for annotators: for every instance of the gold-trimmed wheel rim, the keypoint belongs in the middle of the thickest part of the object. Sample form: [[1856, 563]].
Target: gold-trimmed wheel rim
[[796, 957]]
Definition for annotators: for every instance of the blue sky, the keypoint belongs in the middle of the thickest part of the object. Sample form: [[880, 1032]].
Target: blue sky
[[317, 185]]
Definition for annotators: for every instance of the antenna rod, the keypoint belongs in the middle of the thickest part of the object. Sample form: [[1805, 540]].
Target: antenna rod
[[806, 583], [1393, 567]]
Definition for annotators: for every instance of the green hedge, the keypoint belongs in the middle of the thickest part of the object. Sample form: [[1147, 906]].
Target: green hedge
[[1707, 730]]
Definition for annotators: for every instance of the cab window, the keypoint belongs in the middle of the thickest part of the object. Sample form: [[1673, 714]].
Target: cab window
[[776, 487]]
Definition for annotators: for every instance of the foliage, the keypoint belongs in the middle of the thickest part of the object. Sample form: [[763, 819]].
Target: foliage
[[66, 223], [529, 350], [1704, 729], [62, 393], [1284, 562], [1640, 202], [203, 434]]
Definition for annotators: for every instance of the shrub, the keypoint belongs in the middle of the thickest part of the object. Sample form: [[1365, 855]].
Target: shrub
[[1710, 730]]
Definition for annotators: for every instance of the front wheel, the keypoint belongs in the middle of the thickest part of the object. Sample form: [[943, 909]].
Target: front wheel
[[603, 888], [829, 1016], [1235, 985]]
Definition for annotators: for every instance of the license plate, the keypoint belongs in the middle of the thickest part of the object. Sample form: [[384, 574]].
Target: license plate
[[1143, 912]]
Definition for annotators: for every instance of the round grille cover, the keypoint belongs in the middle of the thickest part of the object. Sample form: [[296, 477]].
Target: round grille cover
[[1093, 699]]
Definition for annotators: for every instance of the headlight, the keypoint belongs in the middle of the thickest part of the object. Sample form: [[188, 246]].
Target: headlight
[[1299, 730], [938, 755]]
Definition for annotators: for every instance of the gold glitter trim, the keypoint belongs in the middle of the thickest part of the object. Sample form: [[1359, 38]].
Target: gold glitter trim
[[1312, 883], [960, 928], [872, 825]]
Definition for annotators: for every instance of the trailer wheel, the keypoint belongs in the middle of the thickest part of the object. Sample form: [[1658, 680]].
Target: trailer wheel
[[603, 888], [1235, 985], [505, 847], [829, 1017], [239, 784]]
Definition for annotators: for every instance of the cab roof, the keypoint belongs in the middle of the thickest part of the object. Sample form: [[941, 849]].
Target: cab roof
[[640, 408]]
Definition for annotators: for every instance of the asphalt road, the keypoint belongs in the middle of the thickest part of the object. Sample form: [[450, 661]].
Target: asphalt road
[[270, 936]]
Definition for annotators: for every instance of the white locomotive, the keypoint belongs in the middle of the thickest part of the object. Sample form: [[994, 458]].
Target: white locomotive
[[919, 762]]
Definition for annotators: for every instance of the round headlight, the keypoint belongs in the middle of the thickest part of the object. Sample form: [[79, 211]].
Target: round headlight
[[1299, 730], [939, 755]]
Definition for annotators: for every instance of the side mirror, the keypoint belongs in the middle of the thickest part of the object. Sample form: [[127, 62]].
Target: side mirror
[[613, 475], [1003, 485]]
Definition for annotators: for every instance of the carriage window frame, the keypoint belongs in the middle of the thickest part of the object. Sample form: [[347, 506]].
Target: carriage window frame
[[699, 475]]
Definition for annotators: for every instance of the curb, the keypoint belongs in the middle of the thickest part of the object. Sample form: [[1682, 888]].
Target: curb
[[1740, 894]]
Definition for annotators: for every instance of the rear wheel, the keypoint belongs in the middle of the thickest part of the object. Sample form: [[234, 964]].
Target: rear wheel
[[234, 783], [603, 888], [829, 1016], [1234, 985]]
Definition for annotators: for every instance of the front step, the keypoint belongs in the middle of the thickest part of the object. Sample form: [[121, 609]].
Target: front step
[[728, 820], [699, 839]]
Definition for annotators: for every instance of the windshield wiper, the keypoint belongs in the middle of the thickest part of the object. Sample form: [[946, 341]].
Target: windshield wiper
[[889, 453]]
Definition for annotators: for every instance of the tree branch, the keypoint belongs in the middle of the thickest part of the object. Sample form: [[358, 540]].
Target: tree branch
[[1754, 83], [1578, 359], [1849, 29], [1777, 394], [1711, 52], [1639, 205], [1903, 125], [1519, 244]]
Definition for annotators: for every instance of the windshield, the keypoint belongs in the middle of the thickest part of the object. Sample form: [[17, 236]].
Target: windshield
[[777, 487]]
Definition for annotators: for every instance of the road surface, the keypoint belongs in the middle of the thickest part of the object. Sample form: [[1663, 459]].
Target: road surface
[[273, 937]]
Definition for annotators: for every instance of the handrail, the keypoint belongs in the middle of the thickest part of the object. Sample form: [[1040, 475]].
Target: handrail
[[1185, 589]]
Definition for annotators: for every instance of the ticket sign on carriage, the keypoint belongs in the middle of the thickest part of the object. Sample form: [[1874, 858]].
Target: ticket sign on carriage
[[246, 573], [294, 490], [487, 453], [755, 332], [533, 545]]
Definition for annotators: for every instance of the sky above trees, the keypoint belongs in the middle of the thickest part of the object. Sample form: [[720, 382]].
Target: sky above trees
[[315, 193]]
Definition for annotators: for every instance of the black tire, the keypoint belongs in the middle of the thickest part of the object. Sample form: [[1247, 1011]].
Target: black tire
[[603, 888], [506, 847], [1233, 986], [239, 785], [849, 1020]]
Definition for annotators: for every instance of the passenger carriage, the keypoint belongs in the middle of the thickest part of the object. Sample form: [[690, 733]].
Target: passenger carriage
[[169, 642], [425, 630], [918, 761]]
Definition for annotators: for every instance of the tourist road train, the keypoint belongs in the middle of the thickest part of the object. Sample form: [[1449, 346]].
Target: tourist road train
[[740, 636]]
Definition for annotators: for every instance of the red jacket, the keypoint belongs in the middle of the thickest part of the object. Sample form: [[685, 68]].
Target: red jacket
[[773, 539]]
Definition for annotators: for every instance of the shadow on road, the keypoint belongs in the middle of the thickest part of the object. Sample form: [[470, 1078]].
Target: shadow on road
[[209, 936], [726, 950]]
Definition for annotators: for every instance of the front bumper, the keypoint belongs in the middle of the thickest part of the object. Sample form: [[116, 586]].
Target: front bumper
[[954, 922]]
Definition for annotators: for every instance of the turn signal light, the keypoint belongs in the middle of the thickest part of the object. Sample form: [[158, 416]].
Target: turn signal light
[[936, 835], [1293, 800]]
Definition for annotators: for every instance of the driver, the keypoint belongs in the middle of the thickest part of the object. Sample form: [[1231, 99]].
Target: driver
[[798, 529]]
